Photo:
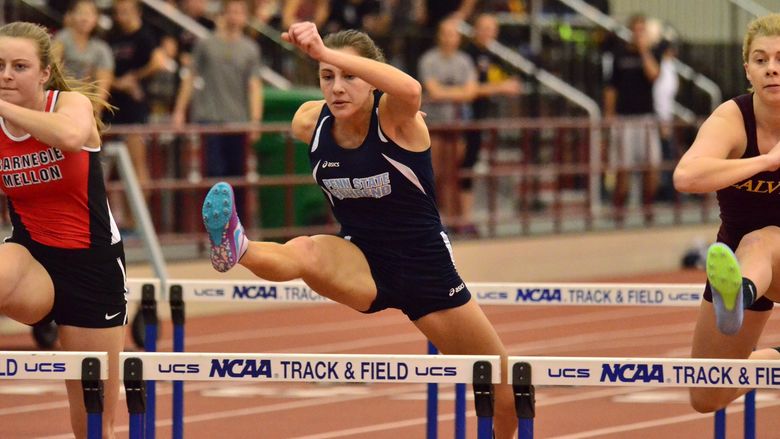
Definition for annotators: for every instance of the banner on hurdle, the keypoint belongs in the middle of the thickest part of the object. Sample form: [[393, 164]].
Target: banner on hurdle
[[649, 372], [604, 294], [44, 365], [311, 367]]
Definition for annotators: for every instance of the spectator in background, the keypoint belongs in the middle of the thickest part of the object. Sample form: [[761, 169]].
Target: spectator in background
[[365, 15], [83, 55], [635, 140], [449, 82], [268, 12], [437, 11], [315, 11], [299, 69], [196, 10], [133, 45], [402, 44], [494, 81], [664, 93], [225, 71], [162, 84]]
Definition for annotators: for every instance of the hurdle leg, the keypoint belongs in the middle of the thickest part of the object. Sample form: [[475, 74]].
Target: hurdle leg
[[720, 424], [750, 415], [483, 399], [149, 308], [135, 392], [432, 407], [525, 400], [177, 315], [93, 396], [460, 411]]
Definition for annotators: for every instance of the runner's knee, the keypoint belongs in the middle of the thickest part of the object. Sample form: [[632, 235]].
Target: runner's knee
[[760, 239], [306, 251]]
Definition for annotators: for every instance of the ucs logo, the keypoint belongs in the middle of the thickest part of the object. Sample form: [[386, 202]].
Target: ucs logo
[[492, 295], [568, 372], [178, 368], [210, 292], [684, 297]]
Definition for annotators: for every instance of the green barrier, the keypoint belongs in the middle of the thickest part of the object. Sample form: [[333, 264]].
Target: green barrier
[[309, 203]]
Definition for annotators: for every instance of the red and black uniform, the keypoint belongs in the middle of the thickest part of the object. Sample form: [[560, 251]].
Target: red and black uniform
[[60, 213], [750, 204]]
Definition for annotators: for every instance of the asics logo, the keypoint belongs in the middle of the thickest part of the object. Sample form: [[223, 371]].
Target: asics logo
[[457, 289], [109, 317], [330, 164]]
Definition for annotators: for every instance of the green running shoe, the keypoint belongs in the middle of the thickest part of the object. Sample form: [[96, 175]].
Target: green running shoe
[[725, 278]]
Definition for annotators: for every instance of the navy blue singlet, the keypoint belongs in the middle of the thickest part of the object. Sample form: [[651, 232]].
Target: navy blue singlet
[[377, 190], [383, 196]]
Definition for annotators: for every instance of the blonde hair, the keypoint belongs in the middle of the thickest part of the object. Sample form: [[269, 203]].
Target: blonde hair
[[57, 80], [766, 26]]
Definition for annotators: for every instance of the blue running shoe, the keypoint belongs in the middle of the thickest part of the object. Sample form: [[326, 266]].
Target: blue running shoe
[[228, 241], [725, 278]]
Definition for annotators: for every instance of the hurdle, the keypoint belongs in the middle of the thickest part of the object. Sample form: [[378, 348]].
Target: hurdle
[[181, 291], [482, 371], [88, 367], [493, 293], [528, 372], [148, 291]]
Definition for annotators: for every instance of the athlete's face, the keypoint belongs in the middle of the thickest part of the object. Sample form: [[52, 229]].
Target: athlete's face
[[763, 67], [345, 93], [21, 75]]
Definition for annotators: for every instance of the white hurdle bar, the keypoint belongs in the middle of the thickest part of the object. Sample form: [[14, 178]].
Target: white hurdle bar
[[88, 367], [480, 370], [495, 293], [528, 372], [180, 291]]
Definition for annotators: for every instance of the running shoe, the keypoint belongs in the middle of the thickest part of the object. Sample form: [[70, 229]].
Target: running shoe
[[228, 240], [725, 278]]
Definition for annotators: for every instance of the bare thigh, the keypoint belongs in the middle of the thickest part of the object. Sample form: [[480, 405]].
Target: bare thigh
[[341, 272], [26, 289], [109, 340]]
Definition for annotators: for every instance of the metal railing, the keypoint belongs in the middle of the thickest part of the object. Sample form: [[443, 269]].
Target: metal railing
[[560, 87], [684, 70], [533, 177]]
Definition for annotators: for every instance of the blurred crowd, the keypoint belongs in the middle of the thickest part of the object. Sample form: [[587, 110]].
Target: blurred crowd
[[156, 70]]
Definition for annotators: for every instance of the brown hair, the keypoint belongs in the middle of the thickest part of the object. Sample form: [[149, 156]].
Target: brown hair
[[58, 80], [361, 42], [766, 26]]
